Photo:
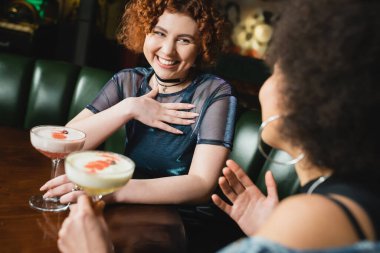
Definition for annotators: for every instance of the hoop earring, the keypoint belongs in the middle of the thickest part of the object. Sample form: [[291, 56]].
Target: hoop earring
[[262, 126]]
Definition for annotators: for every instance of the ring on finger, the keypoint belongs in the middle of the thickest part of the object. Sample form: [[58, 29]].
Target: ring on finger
[[76, 188]]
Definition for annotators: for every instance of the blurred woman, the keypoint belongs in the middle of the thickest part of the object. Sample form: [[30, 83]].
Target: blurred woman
[[319, 106]]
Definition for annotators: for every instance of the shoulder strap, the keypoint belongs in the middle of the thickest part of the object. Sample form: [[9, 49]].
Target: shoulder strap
[[351, 217]]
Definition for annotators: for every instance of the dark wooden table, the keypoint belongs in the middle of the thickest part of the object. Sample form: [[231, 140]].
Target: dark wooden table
[[134, 228]]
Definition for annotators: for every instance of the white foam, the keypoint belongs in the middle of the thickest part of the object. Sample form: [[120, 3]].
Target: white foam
[[42, 138], [115, 175]]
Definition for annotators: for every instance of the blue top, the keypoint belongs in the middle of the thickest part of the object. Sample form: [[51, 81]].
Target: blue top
[[158, 153], [262, 245]]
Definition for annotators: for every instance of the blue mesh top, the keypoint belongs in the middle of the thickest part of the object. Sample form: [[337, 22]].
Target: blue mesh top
[[158, 153]]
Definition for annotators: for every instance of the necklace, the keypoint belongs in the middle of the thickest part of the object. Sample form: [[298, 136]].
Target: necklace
[[164, 87], [319, 181]]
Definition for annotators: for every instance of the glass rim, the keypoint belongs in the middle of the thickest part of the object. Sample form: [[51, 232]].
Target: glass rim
[[32, 130], [130, 169]]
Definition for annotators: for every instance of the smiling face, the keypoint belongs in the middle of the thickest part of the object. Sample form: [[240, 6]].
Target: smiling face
[[172, 46]]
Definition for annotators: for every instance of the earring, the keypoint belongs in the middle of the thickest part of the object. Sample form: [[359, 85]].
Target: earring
[[262, 126]]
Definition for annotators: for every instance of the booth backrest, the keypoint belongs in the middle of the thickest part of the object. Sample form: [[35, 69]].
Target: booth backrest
[[52, 85], [15, 78], [89, 82], [284, 175], [246, 153], [35, 92]]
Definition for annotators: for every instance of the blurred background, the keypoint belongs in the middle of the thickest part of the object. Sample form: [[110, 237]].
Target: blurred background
[[83, 32]]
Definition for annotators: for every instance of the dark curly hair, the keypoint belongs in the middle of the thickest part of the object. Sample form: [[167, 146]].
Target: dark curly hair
[[329, 53], [141, 16]]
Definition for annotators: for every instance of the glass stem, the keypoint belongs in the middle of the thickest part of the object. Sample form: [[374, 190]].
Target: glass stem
[[54, 166], [96, 198]]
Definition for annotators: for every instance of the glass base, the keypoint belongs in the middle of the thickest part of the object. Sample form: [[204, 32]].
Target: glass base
[[47, 204]]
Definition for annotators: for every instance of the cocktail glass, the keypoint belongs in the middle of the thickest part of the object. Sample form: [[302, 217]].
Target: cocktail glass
[[55, 142], [98, 172]]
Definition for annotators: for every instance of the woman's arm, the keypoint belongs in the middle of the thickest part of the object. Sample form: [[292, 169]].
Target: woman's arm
[[196, 187], [98, 127]]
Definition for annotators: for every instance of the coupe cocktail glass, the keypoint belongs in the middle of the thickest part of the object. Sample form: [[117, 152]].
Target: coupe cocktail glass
[[55, 142], [98, 172]]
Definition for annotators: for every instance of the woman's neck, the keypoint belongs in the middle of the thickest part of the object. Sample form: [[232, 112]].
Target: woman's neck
[[307, 171], [168, 85]]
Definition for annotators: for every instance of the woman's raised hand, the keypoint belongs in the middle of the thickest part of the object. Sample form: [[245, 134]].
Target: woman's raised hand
[[61, 187], [250, 207], [159, 115]]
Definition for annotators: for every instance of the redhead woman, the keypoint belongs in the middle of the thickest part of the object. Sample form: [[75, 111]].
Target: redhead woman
[[179, 120]]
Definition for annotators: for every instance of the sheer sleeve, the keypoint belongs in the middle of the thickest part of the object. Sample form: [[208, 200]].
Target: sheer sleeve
[[107, 97], [122, 85], [218, 122]]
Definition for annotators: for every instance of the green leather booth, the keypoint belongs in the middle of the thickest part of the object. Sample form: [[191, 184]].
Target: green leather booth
[[36, 92]]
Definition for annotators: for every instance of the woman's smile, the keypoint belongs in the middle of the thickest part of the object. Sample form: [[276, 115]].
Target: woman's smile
[[164, 63]]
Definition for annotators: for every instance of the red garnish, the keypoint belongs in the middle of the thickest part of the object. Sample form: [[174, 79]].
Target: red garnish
[[99, 164], [60, 134]]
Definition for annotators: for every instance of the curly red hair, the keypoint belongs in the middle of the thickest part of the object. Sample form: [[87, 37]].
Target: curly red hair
[[140, 16]]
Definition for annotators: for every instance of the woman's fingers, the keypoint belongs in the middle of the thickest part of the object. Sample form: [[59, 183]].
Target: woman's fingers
[[239, 173], [55, 182], [177, 106], [59, 190], [271, 186], [227, 189], [177, 121], [221, 204], [84, 203], [73, 208], [71, 197], [182, 114], [159, 115], [233, 181], [167, 128]]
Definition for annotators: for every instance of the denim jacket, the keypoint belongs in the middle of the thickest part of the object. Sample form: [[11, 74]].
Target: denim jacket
[[261, 245]]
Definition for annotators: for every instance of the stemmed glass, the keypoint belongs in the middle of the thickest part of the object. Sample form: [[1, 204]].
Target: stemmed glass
[[98, 172], [55, 142]]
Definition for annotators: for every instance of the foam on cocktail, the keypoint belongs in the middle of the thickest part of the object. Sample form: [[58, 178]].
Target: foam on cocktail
[[55, 139], [99, 172]]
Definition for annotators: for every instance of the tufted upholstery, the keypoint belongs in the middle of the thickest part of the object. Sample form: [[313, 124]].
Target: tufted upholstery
[[51, 90], [15, 75], [88, 83], [245, 152], [34, 92], [285, 175]]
